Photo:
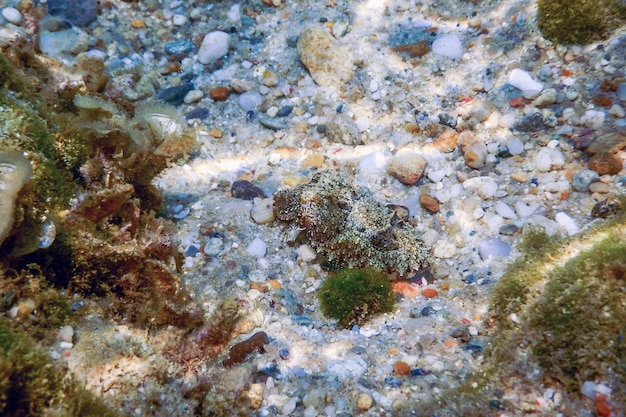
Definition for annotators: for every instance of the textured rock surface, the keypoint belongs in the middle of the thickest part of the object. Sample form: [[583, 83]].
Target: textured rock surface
[[329, 65]]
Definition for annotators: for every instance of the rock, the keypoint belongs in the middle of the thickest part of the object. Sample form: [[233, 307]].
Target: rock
[[415, 50], [175, 95], [342, 129], [180, 46], [257, 248], [255, 395], [429, 203], [306, 253], [446, 142], [263, 211], [245, 190], [240, 350], [68, 41], [611, 142], [407, 166], [548, 159], [250, 100], [219, 93], [583, 178], [273, 124], [269, 78], [193, 96], [566, 223], [475, 153], [621, 91], [15, 172], [364, 402], [213, 246], [505, 210], [340, 28], [214, 46], [531, 123], [328, 64], [447, 120], [284, 111], [66, 334], [449, 46], [401, 368], [515, 146], [493, 247], [12, 15], [546, 98], [78, 12], [605, 163], [523, 81]]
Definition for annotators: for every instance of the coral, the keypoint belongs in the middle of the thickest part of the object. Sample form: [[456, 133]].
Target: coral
[[578, 22], [352, 296], [348, 228]]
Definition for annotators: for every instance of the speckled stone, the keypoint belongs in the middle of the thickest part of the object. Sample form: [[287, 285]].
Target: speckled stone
[[328, 64]]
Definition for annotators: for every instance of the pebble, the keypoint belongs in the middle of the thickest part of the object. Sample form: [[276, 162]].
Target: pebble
[[475, 153], [269, 78], [429, 292], [219, 93], [621, 91], [263, 211], [548, 159], [524, 81], [213, 246], [193, 96], [178, 47], [340, 28], [605, 163], [255, 395], [12, 15], [175, 95], [546, 98], [567, 224], [284, 111], [179, 20], [257, 248], [306, 253], [273, 124], [449, 46], [582, 178], [245, 190], [407, 166], [505, 210], [214, 46], [342, 129], [364, 402], [428, 202], [515, 146], [493, 247], [66, 334], [617, 111], [599, 187], [328, 64], [446, 142], [250, 100], [78, 12]]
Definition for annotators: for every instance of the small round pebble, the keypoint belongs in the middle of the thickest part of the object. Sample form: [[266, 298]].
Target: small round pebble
[[12, 15], [583, 178], [401, 368], [257, 248], [364, 402], [263, 211], [407, 166], [219, 93], [245, 190], [493, 247]]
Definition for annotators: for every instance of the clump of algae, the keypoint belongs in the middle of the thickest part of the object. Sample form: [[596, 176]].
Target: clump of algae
[[578, 22], [352, 296], [559, 308]]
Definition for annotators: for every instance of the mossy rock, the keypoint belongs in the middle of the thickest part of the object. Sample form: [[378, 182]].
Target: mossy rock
[[352, 296], [578, 22]]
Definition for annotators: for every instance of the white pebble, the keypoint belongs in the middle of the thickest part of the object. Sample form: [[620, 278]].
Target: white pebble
[[566, 223], [213, 246], [179, 19], [588, 389], [66, 333], [524, 210], [621, 92], [193, 96], [448, 45], [549, 158], [505, 210], [525, 82], [214, 46], [352, 366], [488, 189], [515, 146], [12, 15], [373, 86], [306, 253], [257, 248], [617, 111], [263, 211], [493, 247], [593, 119], [250, 100], [289, 406]]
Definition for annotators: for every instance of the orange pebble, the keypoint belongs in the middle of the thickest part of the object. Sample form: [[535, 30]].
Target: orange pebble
[[516, 102], [429, 293], [393, 351], [274, 284], [138, 24], [602, 406], [216, 133], [401, 368], [450, 342], [405, 288]]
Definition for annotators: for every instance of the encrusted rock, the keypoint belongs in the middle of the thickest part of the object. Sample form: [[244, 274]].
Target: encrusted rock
[[343, 129], [348, 228]]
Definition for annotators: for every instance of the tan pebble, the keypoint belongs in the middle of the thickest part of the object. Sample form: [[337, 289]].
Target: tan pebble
[[255, 395], [292, 180], [599, 187], [313, 161], [446, 142], [274, 284], [300, 126], [413, 128], [269, 79], [407, 166], [429, 203], [259, 286], [329, 64], [216, 133], [263, 211], [393, 351], [25, 307], [519, 176], [287, 152], [219, 93], [364, 402], [605, 163], [138, 24], [475, 154], [611, 142]]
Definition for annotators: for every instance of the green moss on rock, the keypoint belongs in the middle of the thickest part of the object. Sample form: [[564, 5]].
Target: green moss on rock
[[578, 22], [352, 296]]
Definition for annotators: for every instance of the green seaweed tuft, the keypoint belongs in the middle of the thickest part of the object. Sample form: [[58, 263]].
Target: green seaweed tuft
[[352, 296]]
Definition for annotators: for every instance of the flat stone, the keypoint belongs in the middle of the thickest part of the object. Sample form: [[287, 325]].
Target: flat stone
[[328, 64]]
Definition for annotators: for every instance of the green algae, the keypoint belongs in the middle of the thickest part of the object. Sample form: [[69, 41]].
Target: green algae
[[578, 22], [353, 296]]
